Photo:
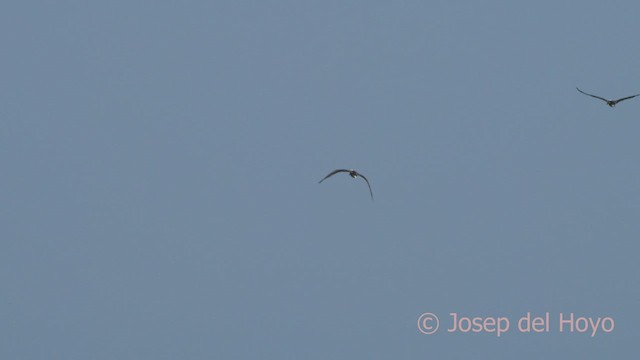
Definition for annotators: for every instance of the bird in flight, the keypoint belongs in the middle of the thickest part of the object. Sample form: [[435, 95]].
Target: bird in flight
[[611, 103], [354, 174]]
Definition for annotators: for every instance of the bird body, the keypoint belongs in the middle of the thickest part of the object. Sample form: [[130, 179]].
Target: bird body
[[354, 174], [609, 102]]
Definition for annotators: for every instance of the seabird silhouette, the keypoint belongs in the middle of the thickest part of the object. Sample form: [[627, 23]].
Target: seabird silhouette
[[354, 174], [611, 103]]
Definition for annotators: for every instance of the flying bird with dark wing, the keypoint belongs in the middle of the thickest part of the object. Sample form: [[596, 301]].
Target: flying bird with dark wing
[[611, 103], [354, 174]]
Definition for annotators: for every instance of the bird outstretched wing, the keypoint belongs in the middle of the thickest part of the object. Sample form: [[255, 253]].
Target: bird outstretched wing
[[369, 185], [625, 98], [595, 96], [332, 173]]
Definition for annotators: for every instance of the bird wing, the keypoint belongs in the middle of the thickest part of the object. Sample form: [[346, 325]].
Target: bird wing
[[597, 97], [369, 185], [625, 98], [332, 173]]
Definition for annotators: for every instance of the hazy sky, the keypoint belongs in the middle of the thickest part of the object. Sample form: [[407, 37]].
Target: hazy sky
[[160, 167]]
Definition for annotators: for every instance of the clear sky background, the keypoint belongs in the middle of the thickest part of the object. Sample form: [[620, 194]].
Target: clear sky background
[[160, 167]]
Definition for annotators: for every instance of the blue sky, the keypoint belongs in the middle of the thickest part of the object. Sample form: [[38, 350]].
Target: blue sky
[[160, 194]]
